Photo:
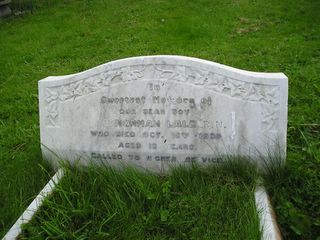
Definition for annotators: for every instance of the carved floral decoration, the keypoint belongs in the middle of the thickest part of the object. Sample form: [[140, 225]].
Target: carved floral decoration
[[267, 95]]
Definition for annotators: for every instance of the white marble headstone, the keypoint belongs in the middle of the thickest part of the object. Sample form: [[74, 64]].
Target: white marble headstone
[[154, 111]]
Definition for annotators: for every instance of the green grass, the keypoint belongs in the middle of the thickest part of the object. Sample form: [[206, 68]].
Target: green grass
[[70, 36], [189, 203]]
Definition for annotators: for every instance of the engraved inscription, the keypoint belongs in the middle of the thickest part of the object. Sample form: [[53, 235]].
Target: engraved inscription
[[128, 110], [267, 95], [155, 111]]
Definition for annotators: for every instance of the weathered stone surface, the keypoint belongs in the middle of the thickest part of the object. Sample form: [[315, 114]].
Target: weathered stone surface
[[160, 110], [5, 2]]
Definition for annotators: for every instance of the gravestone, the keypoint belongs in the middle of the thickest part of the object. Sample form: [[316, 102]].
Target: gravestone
[[5, 8], [155, 111]]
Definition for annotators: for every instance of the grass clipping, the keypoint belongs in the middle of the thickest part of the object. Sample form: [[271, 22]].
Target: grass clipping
[[189, 203]]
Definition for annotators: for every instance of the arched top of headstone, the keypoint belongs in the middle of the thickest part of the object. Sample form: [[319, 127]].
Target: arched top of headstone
[[163, 107], [173, 60]]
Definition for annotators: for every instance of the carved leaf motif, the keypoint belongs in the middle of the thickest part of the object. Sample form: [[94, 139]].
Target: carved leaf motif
[[224, 84], [271, 92], [220, 83], [252, 93], [262, 97], [200, 77], [90, 85], [213, 84], [52, 109], [160, 73], [139, 73], [106, 78], [116, 76], [237, 89], [52, 112], [167, 74], [64, 93], [51, 94], [98, 83], [269, 117], [127, 75], [179, 75], [75, 89], [271, 95]]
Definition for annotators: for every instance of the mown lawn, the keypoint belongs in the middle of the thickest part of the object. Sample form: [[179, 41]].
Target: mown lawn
[[70, 36]]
